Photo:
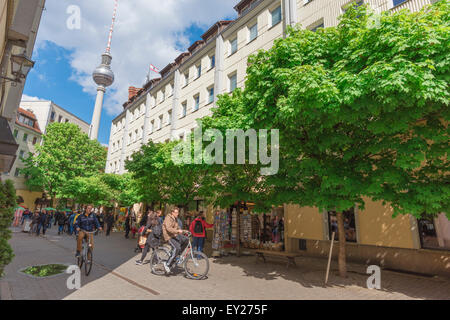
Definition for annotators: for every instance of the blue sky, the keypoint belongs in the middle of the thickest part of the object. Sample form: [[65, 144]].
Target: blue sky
[[51, 79], [66, 58]]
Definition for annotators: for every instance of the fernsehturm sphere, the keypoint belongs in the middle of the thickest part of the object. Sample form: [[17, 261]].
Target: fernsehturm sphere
[[103, 77]]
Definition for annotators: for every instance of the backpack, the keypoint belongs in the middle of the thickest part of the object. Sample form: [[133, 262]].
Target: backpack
[[198, 227], [157, 231]]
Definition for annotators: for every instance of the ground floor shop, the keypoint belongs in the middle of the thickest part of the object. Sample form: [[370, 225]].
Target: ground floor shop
[[373, 237]]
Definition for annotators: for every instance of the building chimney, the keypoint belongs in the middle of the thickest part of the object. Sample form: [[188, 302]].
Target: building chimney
[[132, 91]]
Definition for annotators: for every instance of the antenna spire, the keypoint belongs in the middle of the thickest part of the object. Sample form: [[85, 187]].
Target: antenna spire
[[108, 48]]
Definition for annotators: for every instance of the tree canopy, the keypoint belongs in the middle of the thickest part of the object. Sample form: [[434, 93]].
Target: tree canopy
[[65, 153]]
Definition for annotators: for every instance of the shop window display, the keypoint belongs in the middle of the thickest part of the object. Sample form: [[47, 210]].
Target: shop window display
[[434, 232], [257, 231], [349, 225]]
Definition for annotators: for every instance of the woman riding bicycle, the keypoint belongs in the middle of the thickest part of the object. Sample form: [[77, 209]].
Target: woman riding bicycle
[[174, 236], [86, 222]]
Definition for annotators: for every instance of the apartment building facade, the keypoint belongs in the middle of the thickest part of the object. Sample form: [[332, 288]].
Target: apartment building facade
[[27, 134], [48, 112], [19, 24], [167, 109]]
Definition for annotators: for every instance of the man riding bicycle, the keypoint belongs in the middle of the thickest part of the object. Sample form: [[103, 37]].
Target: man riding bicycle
[[174, 236], [86, 222]]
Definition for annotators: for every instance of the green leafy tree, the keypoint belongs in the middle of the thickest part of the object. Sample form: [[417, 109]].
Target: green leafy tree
[[65, 153], [88, 190], [124, 189], [362, 110], [7, 205]]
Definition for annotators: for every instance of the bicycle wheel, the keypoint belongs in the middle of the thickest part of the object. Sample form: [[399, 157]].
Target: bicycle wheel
[[198, 267], [88, 262], [80, 259], [159, 256]]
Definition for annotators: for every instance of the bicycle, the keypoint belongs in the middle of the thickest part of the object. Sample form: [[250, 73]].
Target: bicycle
[[86, 255], [195, 263]]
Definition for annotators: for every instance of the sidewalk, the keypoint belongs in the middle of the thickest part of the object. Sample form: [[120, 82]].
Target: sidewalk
[[115, 276]]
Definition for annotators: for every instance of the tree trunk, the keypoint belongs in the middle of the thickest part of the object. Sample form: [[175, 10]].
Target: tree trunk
[[341, 232], [238, 248]]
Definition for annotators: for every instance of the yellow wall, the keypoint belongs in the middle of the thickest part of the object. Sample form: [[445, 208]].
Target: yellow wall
[[303, 222], [377, 227], [29, 197]]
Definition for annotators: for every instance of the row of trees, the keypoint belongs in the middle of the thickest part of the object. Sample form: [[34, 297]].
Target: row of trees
[[362, 111]]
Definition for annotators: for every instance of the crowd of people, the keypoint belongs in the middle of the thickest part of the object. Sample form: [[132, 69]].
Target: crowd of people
[[41, 220], [152, 229]]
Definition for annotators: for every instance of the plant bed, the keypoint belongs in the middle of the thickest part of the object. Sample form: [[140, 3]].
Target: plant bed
[[46, 270]]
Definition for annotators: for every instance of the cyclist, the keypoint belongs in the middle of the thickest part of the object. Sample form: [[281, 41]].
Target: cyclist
[[86, 222], [174, 235]]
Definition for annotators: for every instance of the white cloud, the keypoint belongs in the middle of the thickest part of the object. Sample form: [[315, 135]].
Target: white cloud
[[146, 31], [30, 98]]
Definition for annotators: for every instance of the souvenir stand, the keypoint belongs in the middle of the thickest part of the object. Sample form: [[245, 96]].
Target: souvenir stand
[[256, 231]]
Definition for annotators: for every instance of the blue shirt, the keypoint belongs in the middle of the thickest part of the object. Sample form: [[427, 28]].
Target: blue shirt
[[87, 223]]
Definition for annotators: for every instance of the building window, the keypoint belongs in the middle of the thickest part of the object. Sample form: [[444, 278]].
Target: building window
[[52, 116], [315, 28], [276, 16], [183, 109], [354, 4], [17, 172], [432, 231], [34, 140], [135, 135], [142, 133], [196, 102], [181, 136], [233, 82], [160, 122], [21, 153], [397, 2], [16, 133], [129, 138], [163, 96], [152, 123], [169, 117], [199, 70], [25, 137], [211, 95], [253, 32], [60, 118], [212, 60], [186, 78], [233, 46], [349, 225]]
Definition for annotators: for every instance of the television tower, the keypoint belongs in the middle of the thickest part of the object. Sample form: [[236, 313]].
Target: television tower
[[103, 77]]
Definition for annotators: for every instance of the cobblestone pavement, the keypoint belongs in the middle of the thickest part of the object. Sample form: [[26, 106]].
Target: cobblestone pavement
[[115, 276]]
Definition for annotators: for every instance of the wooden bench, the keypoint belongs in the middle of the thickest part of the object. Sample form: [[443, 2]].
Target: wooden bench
[[261, 254]]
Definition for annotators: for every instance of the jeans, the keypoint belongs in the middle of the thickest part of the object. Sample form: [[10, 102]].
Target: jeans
[[198, 243], [61, 228], [178, 244], [44, 228]]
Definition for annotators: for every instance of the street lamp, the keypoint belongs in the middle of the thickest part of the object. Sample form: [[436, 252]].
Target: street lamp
[[20, 67]]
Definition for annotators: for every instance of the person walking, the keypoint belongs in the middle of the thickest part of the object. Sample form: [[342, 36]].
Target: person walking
[[198, 230], [173, 234], [43, 222], [35, 222], [127, 225], [153, 219], [61, 220], [109, 221]]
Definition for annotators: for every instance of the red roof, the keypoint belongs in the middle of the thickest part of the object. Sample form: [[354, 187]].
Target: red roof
[[30, 115]]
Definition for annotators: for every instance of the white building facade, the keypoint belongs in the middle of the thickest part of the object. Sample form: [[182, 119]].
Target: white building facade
[[48, 112], [167, 108]]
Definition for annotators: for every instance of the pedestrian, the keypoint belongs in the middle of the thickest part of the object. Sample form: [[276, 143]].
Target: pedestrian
[[153, 219], [109, 220], [61, 220], [127, 225], [43, 222], [34, 222], [198, 230]]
